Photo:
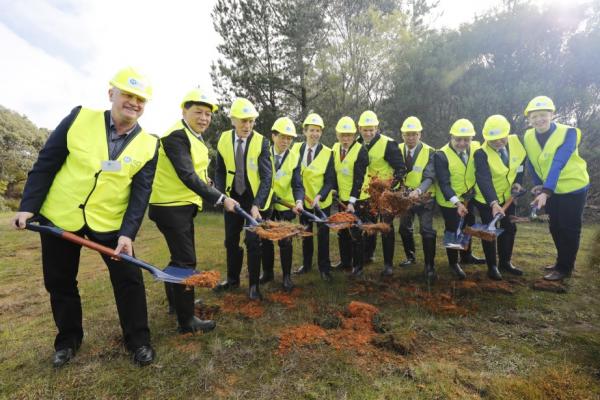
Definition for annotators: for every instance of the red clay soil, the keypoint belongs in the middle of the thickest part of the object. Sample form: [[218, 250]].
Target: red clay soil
[[549, 286], [356, 332], [207, 279], [239, 304], [287, 299]]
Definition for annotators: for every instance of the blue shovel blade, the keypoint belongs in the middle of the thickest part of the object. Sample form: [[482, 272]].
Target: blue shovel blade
[[456, 242]]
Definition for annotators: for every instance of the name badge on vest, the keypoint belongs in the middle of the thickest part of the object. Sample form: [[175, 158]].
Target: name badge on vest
[[252, 165], [279, 174], [417, 168], [345, 171], [111, 165]]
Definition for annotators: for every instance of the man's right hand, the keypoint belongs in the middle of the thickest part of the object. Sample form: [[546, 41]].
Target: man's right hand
[[20, 219], [461, 209], [229, 204], [255, 212]]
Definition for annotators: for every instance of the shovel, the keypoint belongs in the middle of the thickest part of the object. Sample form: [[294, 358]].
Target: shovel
[[307, 214], [253, 224], [489, 232], [267, 229], [170, 274], [458, 240], [369, 228]]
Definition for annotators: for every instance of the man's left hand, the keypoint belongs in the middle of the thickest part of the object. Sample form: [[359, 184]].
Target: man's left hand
[[124, 245], [298, 208]]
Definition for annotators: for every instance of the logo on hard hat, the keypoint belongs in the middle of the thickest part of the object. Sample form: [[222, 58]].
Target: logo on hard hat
[[135, 83], [368, 120], [203, 97], [495, 132], [464, 130], [314, 119], [287, 128], [411, 126], [540, 104], [245, 110], [346, 126]]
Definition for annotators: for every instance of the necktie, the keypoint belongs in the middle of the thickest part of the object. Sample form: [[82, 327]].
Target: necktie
[[277, 161], [504, 156], [409, 160], [309, 157], [239, 180], [464, 157], [343, 155]]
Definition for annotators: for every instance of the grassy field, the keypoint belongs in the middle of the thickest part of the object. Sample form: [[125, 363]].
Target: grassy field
[[451, 341]]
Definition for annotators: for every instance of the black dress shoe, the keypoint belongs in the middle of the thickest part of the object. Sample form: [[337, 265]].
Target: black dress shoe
[[356, 272], [387, 270], [471, 259], [143, 355], [226, 285], [408, 262], [254, 293], [264, 278], [326, 276], [460, 274], [62, 356], [510, 269], [288, 285], [302, 270], [556, 276], [196, 324], [494, 274]]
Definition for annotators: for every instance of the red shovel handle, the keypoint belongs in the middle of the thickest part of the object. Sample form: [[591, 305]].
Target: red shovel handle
[[107, 251]]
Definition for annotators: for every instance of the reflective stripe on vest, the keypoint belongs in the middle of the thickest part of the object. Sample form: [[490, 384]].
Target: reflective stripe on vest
[[168, 189], [462, 178], [313, 175], [344, 171], [253, 150], [282, 179], [377, 165], [503, 177], [414, 177], [81, 193], [574, 175]]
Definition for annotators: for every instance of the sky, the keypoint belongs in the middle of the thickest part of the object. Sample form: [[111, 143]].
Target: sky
[[58, 54]]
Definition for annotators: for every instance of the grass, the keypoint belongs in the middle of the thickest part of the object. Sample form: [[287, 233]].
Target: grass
[[463, 343]]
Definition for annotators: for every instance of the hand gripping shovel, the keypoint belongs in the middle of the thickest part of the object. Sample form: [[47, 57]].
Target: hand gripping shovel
[[170, 274], [368, 228], [307, 214], [489, 232], [271, 230]]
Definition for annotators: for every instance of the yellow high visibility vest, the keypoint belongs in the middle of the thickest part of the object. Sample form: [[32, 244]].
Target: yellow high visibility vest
[[503, 177], [313, 175], [344, 171], [462, 177], [81, 192], [253, 150], [377, 165], [574, 175], [414, 177], [168, 189], [282, 179]]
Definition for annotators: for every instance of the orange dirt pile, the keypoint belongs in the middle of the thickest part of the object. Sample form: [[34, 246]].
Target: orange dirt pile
[[239, 304], [278, 230], [356, 332], [287, 299], [549, 286], [342, 217], [384, 200], [207, 279]]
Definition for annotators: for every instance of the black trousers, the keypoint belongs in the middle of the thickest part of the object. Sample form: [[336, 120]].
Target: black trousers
[[322, 243], [60, 260], [388, 240], [351, 241], [566, 215], [451, 220], [234, 224], [505, 242], [176, 223], [285, 247]]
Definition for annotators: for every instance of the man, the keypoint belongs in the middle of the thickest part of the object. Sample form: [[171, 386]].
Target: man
[[555, 164], [385, 162], [498, 171], [287, 186], [180, 184], [244, 172], [318, 180], [351, 160], [93, 177], [455, 174], [418, 158]]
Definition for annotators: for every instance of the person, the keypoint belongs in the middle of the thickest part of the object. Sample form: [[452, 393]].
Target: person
[[498, 173], [555, 164], [244, 171], [287, 187], [351, 160], [455, 174], [418, 158], [318, 180], [385, 162], [180, 185], [93, 177]]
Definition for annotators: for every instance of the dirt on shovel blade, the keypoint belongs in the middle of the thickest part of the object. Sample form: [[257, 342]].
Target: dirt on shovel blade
[[206, 279], [482, 234], [278, 230], [374, 229]]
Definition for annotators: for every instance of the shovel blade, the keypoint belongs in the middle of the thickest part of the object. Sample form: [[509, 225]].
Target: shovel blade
[[456, 242]]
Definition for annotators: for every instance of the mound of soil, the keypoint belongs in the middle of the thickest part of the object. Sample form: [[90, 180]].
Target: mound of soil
[[286, 299], [239, 304]]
